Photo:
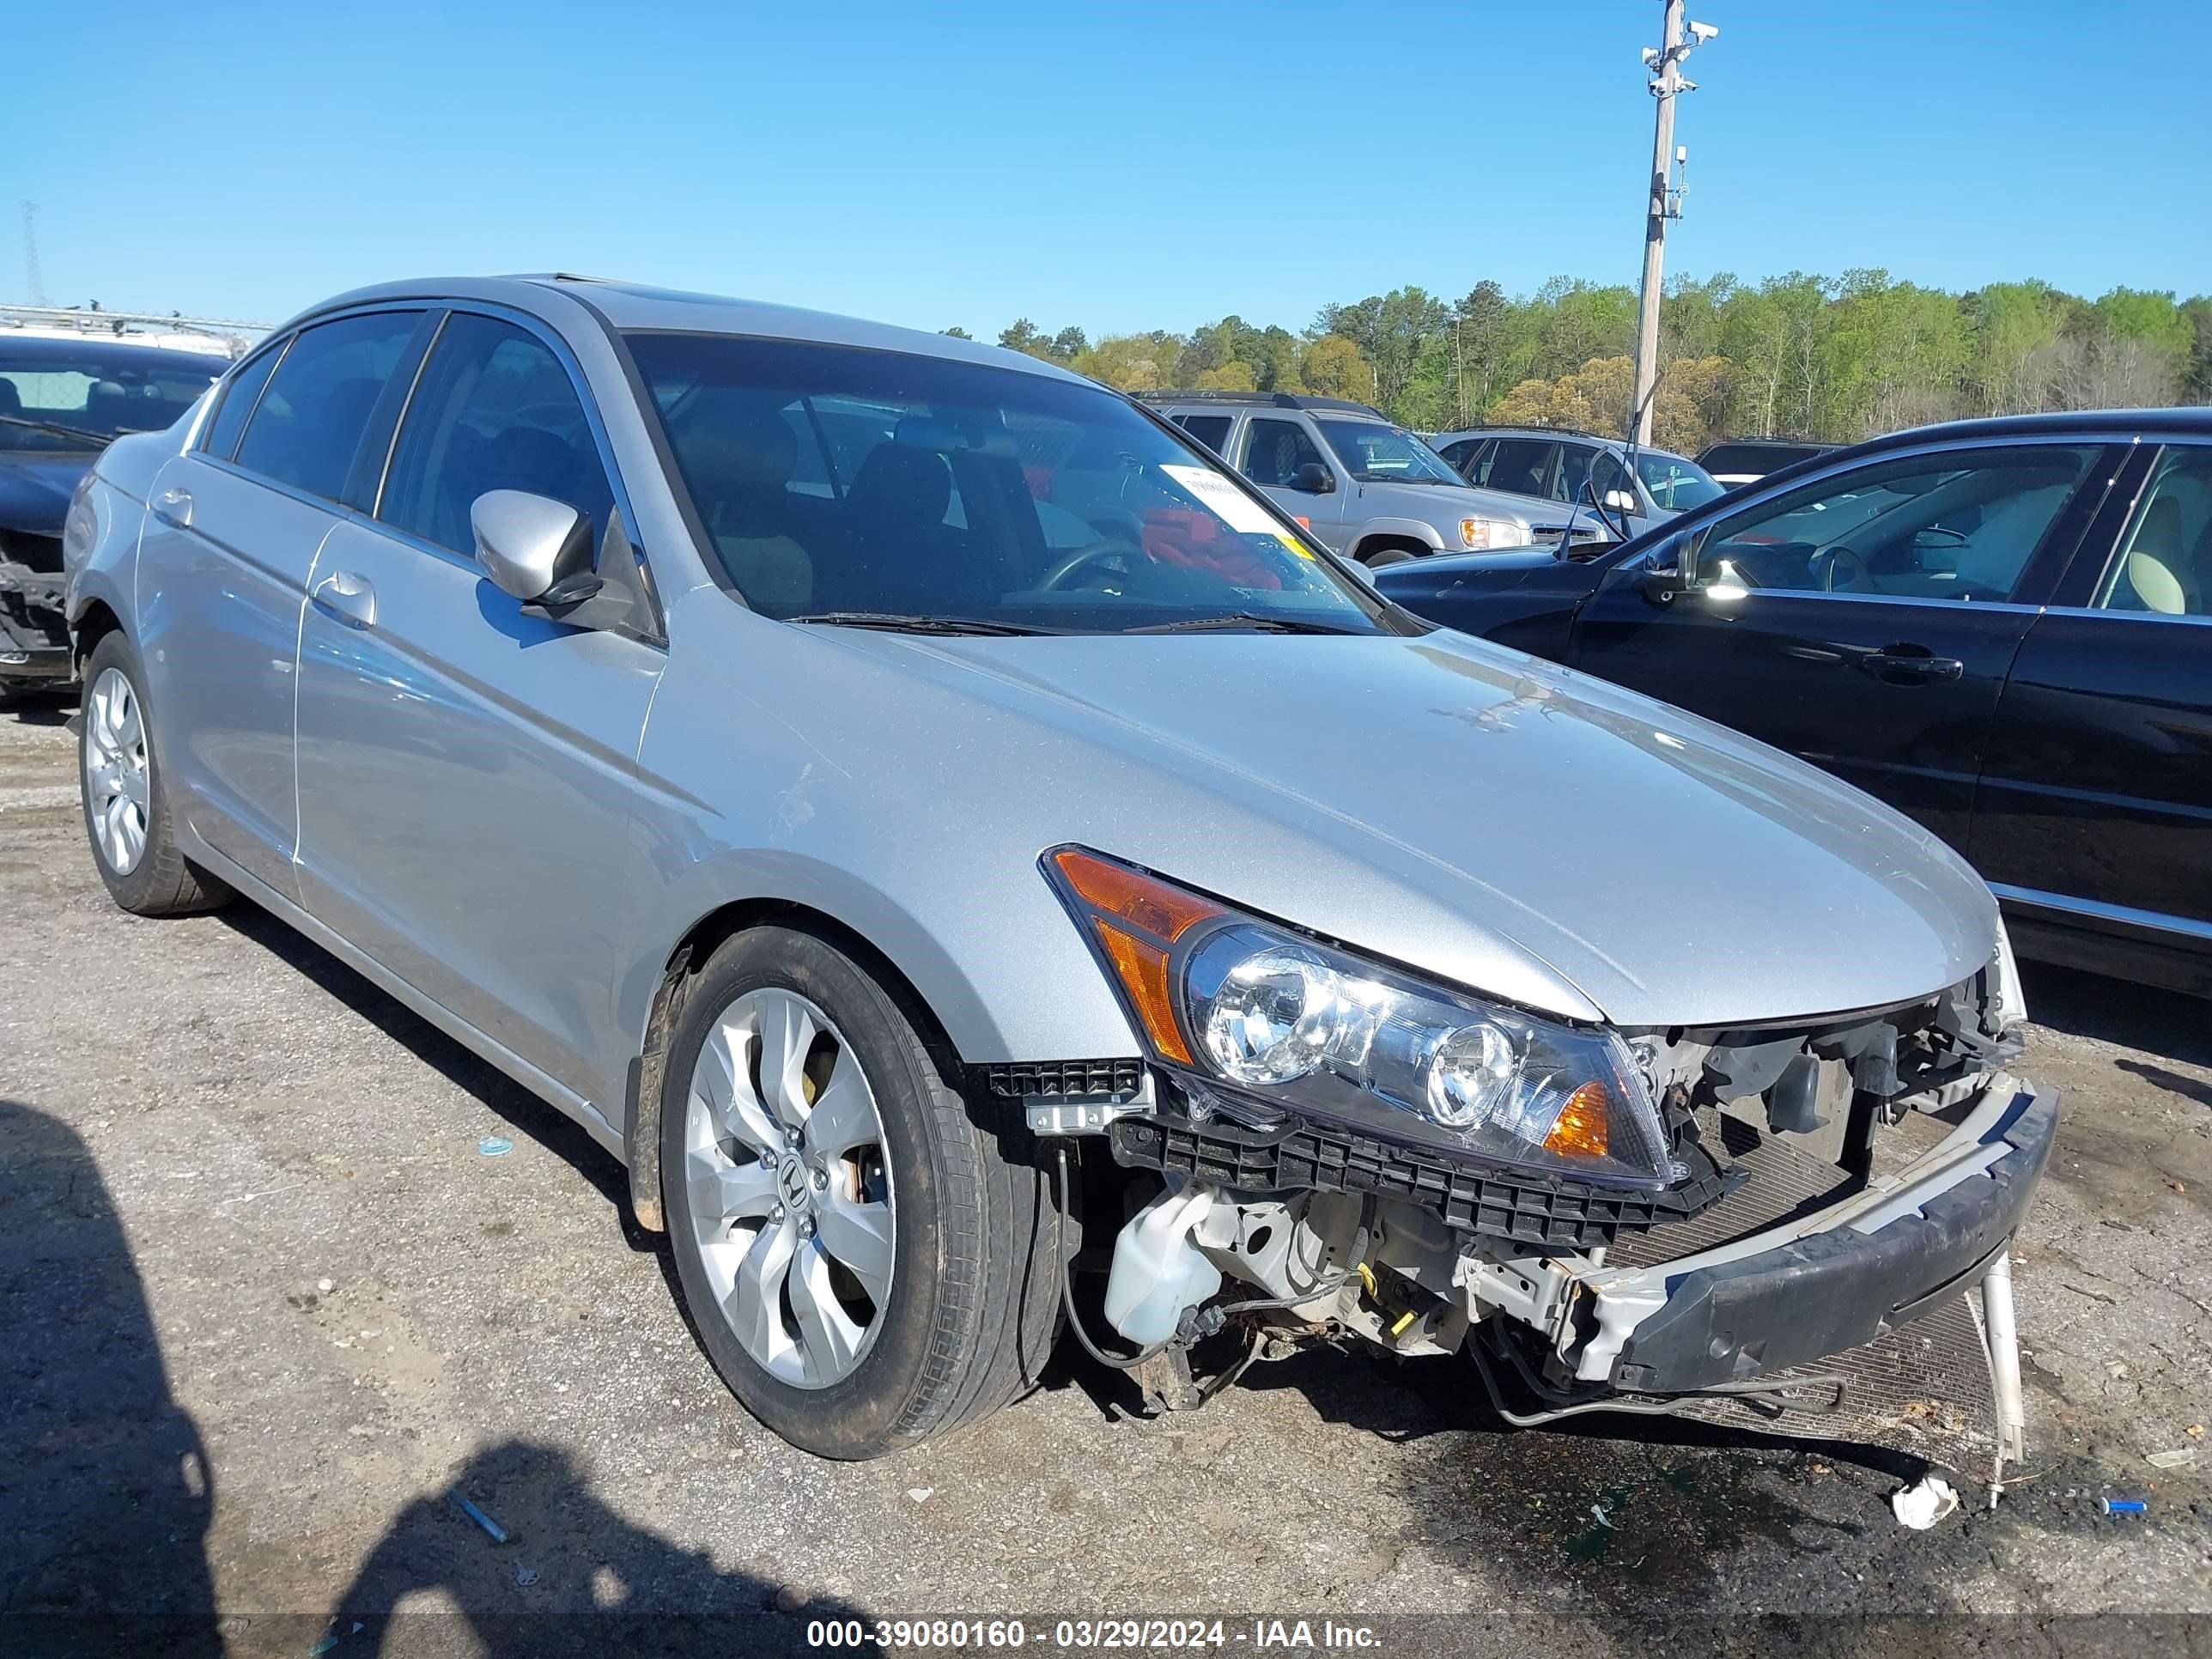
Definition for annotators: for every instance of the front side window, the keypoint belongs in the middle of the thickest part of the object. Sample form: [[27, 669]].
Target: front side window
[[1375, 454], [494, 409], [50, 403], [1275, 450], [2164, 565], [1958, 526], [832, 481], [310, 420]]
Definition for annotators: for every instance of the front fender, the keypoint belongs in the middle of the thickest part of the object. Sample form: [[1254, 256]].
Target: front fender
[[1404, 529]]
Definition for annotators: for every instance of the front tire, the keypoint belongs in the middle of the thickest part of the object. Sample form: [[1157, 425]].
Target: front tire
[[128, 817], [862, 1262]]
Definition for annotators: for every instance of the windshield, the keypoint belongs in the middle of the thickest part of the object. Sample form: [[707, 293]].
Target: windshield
[[886, 489], [1675, 485], [1375, 454], [50, 402]]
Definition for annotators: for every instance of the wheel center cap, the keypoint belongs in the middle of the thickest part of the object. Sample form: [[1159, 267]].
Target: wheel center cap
[[794, 1184]]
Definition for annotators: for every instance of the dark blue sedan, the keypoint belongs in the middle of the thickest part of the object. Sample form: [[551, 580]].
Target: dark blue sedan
[[2002, 628], [61, 401]]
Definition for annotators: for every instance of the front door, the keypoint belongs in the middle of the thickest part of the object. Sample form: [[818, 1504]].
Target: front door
[[223, 565], [465, 771], [1274, 450], [1865, 622]]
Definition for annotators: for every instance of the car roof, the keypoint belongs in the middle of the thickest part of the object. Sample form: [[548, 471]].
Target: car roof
[[1619, 445], [62, 350], [636, 305]]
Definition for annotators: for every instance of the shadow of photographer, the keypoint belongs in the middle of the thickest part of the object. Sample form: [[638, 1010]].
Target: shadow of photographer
[[106, 1490], [572, 1577]]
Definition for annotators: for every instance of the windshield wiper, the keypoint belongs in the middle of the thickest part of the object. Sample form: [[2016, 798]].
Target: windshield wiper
[[903, 621], [1244, 619], [102, 439]]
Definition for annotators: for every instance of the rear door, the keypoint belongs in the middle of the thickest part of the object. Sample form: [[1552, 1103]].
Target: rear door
[[222, 574], [2094, 815], [465, 770], [1865, 621]]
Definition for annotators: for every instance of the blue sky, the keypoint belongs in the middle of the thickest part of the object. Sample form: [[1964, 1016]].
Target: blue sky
[[1116, 165]]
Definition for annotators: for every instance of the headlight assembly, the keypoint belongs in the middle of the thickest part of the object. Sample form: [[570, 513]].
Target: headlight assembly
[[1490, 534], [1242, 1003]]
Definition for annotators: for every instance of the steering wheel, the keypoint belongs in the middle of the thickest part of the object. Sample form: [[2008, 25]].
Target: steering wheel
[[1112, 547], [1828, 562]]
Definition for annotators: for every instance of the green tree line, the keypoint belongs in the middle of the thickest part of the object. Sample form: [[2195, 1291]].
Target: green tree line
[[1837, 359]]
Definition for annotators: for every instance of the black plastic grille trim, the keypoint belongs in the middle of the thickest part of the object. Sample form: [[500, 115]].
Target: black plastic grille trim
[[1066, 1080], [1540, 1215]]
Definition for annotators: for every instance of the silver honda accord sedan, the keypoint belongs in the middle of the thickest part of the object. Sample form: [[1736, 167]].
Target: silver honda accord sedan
[[921, 813]]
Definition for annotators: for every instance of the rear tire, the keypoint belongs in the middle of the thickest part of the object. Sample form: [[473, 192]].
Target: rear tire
[[968, 1316], [128, 815]]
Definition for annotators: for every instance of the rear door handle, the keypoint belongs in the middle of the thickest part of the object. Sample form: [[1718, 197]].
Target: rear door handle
[[174, 507], [1905, 665], [348, 597]]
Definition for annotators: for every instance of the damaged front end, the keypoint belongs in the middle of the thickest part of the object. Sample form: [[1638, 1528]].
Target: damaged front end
[[1767, 1208], [33, 637]]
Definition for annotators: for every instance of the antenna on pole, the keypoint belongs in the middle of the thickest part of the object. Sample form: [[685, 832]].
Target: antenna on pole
[[31, 280]]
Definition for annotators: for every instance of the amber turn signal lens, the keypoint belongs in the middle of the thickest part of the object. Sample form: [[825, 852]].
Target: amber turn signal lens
[[1115, 894], [1163, 911], [1581, 1129]]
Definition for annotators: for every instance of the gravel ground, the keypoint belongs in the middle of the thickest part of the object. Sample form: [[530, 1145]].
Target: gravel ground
[[263, 1303]]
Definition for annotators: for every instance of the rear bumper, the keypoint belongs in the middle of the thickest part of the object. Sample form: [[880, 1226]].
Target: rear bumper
[[1827, 1282]]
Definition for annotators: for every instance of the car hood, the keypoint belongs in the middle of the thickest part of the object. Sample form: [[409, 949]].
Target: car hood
[[35, 490], [1442, 505], [1497, 821]]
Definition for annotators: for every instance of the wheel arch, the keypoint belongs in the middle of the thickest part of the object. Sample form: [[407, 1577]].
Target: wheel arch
[[670, 994]]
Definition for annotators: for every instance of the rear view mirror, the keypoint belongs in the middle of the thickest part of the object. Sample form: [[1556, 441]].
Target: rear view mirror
[[1315, 479], [529, 544]]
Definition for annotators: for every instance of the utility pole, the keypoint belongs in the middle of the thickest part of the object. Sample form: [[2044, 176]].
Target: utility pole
[[1663, 199], [31, 280]]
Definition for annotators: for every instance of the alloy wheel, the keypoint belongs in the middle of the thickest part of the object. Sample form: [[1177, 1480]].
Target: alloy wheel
[[116, 787], [790, 1193]]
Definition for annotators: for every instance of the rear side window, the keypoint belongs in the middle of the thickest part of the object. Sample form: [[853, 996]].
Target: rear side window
[[310, 420], [1274, 451], [1212, 430], [238, 400], [2164, 565], [494, 410]]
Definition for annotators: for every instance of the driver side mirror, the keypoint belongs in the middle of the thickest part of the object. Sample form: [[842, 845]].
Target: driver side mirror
[[1621, 501], [1315, 479], [532, 545], [1673, 572]]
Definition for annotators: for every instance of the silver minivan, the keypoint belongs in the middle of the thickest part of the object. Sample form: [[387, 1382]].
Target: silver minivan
[[919, 810]]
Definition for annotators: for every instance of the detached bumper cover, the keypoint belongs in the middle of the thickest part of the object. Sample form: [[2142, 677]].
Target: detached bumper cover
[[1832, 1281]]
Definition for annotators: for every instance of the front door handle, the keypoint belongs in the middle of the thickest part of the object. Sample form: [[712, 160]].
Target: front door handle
[[175, 505], [348, 597], [1910, 664]]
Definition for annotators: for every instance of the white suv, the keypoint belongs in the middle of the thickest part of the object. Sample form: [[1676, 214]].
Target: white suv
[[1367, 488]]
